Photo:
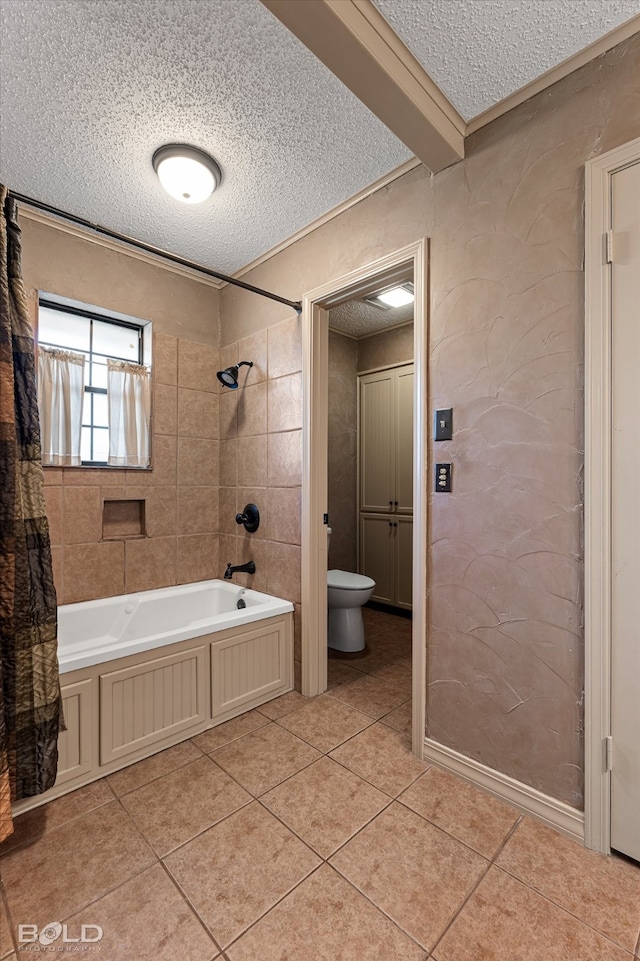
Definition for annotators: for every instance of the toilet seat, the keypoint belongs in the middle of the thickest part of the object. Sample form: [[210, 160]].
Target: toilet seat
[[348, 581]]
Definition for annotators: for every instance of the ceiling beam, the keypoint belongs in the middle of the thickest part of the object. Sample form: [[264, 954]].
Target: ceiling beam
[[357, 44]]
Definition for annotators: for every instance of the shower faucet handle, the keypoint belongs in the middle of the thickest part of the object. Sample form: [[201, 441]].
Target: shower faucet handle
[[250, 518]]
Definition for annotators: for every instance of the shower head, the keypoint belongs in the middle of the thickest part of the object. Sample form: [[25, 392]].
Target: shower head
[[229, 376]]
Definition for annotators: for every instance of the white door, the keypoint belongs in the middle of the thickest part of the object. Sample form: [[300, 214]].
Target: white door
[[625, 513], [376, 438]]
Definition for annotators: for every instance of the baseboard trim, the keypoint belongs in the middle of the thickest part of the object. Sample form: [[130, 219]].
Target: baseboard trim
[[549, 810]]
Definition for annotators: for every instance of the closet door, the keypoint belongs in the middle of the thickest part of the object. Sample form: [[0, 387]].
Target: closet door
[[376, 442], [403, 497], [377, 557]]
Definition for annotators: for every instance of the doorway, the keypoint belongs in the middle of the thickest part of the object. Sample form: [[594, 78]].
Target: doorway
[[315, 327], [612, 502]]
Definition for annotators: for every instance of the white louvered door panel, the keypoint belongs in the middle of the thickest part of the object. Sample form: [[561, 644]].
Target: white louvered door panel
[[377, 480]]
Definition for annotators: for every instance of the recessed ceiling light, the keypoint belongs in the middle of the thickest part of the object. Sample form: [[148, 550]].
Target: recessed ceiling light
[[393, 296], [186, 173]]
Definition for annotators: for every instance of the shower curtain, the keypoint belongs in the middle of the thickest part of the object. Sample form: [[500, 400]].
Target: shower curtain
[[30, 703]]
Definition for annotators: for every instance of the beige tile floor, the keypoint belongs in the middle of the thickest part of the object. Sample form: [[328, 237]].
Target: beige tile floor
[[306, 831]]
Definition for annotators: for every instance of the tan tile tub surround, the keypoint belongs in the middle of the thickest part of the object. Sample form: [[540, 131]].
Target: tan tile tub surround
[[261, 456], [506, 319], [179, 496]]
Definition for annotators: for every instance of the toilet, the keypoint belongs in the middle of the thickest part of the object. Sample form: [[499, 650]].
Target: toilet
[[346, 593]]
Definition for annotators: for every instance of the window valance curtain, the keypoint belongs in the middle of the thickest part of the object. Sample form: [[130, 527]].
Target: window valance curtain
[[129, 400], [60, 400]]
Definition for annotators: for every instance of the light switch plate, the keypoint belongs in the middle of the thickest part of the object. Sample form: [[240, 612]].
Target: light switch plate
[[443, 424]]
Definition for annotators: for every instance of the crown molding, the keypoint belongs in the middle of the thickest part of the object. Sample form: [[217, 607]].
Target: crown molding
[[384, 181], [155, 260], [561, 70]]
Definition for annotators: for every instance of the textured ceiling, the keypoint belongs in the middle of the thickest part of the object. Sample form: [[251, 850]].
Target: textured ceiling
[[357, 318], [90, 88], [480, 51]]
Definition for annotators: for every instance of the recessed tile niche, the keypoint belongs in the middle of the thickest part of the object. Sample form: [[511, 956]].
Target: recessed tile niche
[[122, 519]]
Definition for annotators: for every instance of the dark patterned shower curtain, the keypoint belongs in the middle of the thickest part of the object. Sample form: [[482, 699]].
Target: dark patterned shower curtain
[[30, 704]]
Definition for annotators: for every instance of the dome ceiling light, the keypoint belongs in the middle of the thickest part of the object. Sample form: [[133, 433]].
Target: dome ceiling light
[[186, 173]]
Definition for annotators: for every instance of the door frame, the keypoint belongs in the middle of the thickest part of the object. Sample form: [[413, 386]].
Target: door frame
[[598, 493], [315, 305]]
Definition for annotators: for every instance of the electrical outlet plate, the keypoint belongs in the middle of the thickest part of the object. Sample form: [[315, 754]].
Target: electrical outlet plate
[[443, 478]]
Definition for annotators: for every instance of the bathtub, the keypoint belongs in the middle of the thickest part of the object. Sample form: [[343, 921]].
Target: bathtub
[[142, 672], [92, 632]]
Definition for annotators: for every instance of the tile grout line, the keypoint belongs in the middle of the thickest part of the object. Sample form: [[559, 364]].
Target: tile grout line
[[126, 880], [474, 888], [444, 831], [114, 797], [393, 797], [323, 860], [192, 908], [325, 863], [255, 797], [157, 777], [30, 840], [225, 817], [341, 701], [566, 910], [279, 901], [429, 951], [378, 907], [275, 903]]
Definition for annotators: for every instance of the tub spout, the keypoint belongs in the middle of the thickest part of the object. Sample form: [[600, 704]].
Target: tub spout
[[248, 568]]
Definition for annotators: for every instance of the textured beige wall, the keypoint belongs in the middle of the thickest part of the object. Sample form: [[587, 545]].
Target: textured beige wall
[[343, 451], [180, 493], [388, 347], [505, 641]]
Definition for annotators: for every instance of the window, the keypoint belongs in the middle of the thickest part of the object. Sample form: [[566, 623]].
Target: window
[[99, 337]]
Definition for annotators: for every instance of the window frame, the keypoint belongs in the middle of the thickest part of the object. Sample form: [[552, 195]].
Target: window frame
[[94, 313]]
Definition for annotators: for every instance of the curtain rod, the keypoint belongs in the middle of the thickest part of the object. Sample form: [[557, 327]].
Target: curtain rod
[[150, 249]]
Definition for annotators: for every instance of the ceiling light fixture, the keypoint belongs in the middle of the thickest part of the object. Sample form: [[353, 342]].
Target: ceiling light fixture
[[186, 173], [393, 296]]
